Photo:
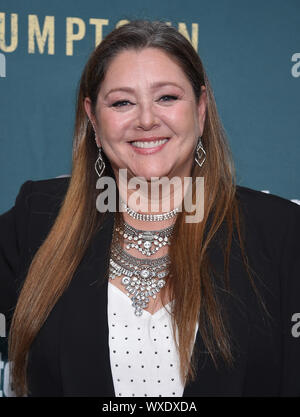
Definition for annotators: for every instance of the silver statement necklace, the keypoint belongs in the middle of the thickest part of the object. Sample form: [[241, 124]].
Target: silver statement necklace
[[142, 278], [145, 241], [149, 217]]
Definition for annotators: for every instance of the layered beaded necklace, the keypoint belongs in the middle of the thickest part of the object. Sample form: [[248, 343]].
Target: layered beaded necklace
[[142, 278], [145, 241]]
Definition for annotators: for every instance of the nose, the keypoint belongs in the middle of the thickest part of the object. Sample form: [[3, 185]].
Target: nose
[[146, 118]]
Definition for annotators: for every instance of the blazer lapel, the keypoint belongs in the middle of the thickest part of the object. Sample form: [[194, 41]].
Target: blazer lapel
[[84, 348]]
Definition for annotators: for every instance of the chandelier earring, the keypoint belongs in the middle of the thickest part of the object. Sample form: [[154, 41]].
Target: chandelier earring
[[200, 155], [100, 164]]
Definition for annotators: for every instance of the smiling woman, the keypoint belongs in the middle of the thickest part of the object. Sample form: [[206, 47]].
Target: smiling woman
[[157, 306], [148, 121]]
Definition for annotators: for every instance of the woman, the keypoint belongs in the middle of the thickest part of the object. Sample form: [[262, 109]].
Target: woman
[[212, 301]]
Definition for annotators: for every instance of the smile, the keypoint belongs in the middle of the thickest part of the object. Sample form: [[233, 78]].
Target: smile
[[149, 144]]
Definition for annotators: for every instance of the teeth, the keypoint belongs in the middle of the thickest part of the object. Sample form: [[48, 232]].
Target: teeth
[[151, 144]]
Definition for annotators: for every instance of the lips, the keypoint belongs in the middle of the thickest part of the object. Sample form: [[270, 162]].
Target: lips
[[147, 144]]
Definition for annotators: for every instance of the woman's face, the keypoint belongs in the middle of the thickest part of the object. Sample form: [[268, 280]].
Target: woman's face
[[147, 119]]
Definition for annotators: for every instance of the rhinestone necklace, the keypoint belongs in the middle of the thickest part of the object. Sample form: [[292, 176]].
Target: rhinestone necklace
[[145, 241], [143, 278], [149, 217]]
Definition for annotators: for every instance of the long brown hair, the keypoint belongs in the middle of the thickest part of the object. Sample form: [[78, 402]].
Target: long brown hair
[[191, 287]]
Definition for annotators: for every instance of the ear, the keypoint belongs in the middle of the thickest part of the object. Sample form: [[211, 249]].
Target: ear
[[88, 109], [202, 109]]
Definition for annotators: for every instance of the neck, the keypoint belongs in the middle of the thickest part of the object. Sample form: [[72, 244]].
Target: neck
[[155, 197]]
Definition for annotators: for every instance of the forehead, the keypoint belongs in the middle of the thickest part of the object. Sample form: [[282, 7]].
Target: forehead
[[148, 64]]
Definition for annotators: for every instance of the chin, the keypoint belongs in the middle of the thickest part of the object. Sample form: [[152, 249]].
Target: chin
[[152, 174]]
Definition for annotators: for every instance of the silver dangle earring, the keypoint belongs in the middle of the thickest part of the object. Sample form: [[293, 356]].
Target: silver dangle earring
[[100, 164], [200, 153]]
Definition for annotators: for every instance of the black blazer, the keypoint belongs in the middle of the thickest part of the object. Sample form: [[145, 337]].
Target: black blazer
[[70, 355]]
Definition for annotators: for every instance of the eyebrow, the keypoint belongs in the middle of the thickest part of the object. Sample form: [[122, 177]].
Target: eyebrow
[[153, 87]]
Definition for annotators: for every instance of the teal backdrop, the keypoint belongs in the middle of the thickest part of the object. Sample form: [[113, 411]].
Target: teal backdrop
[[250, 49]]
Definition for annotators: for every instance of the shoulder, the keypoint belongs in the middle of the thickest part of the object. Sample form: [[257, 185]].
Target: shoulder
[[40, 195], [261, 206], [254, 199], [55, 187], [270, 220]]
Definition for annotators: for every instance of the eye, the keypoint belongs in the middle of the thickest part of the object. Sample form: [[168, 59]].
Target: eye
[[167, 98], [121, 103]]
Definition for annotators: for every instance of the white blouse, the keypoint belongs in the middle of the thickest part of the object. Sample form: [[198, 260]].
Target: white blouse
[[143, 356]]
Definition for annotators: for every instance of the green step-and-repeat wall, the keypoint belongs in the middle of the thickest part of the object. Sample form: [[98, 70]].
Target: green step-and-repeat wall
[[250, 49]]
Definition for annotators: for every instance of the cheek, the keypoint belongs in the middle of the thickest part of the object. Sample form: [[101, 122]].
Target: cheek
[[182, 120], [113, 125], [109, 128]]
